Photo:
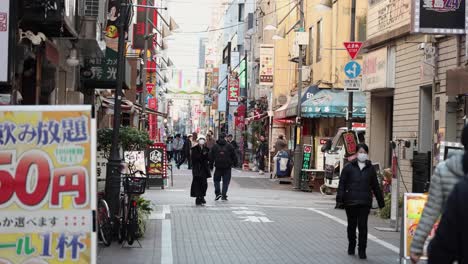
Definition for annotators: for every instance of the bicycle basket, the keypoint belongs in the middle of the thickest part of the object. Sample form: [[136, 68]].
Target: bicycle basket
[[134, 185]]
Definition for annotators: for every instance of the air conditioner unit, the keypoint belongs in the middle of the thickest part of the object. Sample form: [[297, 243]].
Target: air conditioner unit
[[89, 8], [93, 18]]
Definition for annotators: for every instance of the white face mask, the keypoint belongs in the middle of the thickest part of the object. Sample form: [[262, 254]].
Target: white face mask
[[362, 157], [201, 142]]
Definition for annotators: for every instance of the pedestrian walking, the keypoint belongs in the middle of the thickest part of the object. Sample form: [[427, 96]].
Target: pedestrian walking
[[222, 157], [185, 156], [230, 140], [358, 181], [450, 243], [262, 152], [178, 144], [169, 148], [210, 142], [280, 143], [446, 175], [200, 171]]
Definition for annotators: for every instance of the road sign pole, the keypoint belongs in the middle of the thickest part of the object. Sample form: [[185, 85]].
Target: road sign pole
[[351, 94]]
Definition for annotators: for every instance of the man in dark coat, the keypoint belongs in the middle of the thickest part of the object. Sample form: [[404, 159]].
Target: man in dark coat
[[262, 152], [223, 157], [186, 152], [200, 171], [450, 243], [358, 181]]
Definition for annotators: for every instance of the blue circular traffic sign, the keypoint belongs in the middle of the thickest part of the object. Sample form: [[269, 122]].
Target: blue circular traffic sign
[[352, 69]]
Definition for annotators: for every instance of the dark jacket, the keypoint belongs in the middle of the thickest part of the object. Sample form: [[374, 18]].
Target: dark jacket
[[200, 171], [200, 162], [222, 155], [356, 186], [262, 150], [234, 144], [451, 240], [187, 147]]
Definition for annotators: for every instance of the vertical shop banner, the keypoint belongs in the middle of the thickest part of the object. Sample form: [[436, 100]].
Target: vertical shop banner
[[153, 119], [233, 87], [47, 184], [350, 143], [240, 116], [208, 100], [308, 149], [267, 65], [139, 27], [413, 206], [157, 161], [439, 17], [4, 40], [223, 73]]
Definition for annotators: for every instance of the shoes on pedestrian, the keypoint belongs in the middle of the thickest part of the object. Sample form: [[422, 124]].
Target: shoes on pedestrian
[[198, 201], [224, 198], [351, 249], [178, 166], [218, 196], [362, 254], [202, 200], [261, 172]]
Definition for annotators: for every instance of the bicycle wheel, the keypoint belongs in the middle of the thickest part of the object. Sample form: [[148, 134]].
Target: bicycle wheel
[[121, 222], [132, 224], [104, 223]]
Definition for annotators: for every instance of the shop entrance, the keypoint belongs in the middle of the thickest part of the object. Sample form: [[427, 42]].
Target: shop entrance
[[381, 120]]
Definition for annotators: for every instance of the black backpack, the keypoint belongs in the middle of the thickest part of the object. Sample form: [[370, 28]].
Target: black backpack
[[222, 157]]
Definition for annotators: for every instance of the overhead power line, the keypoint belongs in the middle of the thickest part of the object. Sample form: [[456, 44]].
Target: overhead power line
[[236, 25]]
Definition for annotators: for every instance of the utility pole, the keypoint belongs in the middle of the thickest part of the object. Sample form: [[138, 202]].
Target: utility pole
[[298, 133], [351, 38], [113, 166]]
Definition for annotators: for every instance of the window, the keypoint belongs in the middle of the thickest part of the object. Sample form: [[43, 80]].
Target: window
[[319, 40], [241, 12], [311, 45]]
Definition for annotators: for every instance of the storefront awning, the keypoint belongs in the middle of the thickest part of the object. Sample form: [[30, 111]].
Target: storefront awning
[[333, 103], [108, 103], [289, 109], [138, 108]]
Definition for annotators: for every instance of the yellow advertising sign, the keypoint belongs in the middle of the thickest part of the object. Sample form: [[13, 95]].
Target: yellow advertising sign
[[47, 182], [413, 208]]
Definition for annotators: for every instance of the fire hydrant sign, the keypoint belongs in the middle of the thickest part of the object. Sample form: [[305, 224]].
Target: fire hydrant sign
[[47, 184]]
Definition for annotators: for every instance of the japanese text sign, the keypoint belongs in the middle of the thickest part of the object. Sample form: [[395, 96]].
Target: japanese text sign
[[350, 142], [104, 69], [353, 48], [233, 88], [47, 184], [267, 65], [306, 160], [157, 160]]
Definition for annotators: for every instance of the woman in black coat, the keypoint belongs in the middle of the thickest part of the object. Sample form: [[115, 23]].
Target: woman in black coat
[[200, 171], [358, 181]]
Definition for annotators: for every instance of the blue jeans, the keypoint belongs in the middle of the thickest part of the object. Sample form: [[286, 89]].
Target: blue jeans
[[225, 175]]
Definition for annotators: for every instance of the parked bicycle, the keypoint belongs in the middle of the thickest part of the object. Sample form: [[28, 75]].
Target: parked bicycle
[[133, 186], [104, 222]]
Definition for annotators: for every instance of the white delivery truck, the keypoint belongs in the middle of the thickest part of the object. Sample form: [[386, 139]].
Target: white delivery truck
[[335, 158]]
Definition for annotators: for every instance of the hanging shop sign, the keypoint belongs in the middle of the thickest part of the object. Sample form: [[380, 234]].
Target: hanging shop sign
[[350, 142], [439, 17], [267, 65], [233, 88], [47, 184], [157, 161], [413, 206], [208, 85], [141, 23]]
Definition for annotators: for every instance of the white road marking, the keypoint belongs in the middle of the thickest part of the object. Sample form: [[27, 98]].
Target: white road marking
[[256, 219], [166, 242], [371, 237], [239, 208], [162, 215], [245, 212]]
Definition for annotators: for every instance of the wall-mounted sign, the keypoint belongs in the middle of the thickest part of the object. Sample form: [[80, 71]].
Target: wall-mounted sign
[[384, 16], [267, 65], [141, 23], [439, 16], [233, 88], [374, 73]]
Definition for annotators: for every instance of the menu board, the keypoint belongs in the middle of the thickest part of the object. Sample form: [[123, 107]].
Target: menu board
[[157, 160]]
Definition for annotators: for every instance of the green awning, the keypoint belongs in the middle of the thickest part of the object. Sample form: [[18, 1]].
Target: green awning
[[333, 103]]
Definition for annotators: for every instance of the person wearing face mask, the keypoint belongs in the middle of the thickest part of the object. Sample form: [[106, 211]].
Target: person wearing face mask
[[200, 171], [358, 181]]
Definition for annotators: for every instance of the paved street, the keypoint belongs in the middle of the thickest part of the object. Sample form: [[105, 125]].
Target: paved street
[[263, 222]]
